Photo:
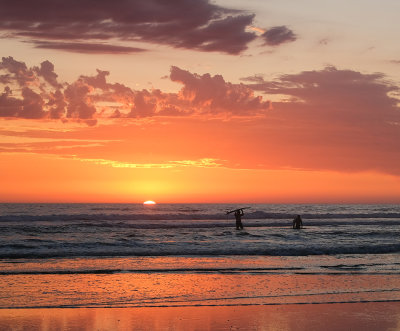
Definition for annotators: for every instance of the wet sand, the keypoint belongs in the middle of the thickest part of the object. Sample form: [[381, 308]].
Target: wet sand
[[344, 316]]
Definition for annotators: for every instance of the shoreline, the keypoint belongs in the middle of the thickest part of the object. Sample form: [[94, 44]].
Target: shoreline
[[326, 316]]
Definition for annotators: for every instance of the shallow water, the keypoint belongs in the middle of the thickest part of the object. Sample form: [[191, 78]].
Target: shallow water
[[96, 255]]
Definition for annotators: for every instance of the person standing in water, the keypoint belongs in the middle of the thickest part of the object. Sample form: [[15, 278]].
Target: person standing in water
[[297, 222], [238, 215]]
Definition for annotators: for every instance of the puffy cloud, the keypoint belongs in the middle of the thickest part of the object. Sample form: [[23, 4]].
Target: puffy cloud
[[17, 71], [46, 70], [29, 106], [9, 106], [190, 24], [278, 35], [32, 105], [38, 94], [56, 104], [145, 104], [212, 94], [79, 104]]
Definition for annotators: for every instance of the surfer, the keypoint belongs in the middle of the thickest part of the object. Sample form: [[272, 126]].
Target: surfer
[[238, 215], [297, 222]]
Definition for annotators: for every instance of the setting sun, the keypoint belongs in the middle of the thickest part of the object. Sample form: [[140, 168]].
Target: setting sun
[[149, 202]]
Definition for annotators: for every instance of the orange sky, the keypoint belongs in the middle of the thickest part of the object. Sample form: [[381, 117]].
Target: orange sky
[[240, 104]]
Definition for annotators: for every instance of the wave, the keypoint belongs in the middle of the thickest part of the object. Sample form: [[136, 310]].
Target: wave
[[171, 270], [330, 270], [131, 251], [259, 215]]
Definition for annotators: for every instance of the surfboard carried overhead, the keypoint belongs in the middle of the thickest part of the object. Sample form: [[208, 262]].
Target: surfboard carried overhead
[[232, 211]]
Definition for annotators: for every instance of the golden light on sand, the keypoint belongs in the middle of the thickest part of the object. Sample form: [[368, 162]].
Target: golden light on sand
[[149, 202]]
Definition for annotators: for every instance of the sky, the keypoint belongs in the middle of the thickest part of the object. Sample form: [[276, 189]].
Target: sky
[[198, 101]]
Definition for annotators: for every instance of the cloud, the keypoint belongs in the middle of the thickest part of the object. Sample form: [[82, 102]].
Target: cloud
[[79, 103], [333, 119], [200, 163], [340, 96], [16, 71], [211, 94], [79, 25], [329, 119], [278, 35], [30, 106], [37, 94], [46, 70], [87, 47], [9, 106]]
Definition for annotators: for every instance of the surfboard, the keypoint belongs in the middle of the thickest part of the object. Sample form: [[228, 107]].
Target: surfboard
[[232, 211]]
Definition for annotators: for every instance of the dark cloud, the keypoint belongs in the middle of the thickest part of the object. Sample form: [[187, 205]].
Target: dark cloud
[[87, 47], [79, 104], [144, 104], [278, 35], [46, 70], [9, 106], [17, 71], [56, 104], [30, 105], [191, 24], [212, 94]]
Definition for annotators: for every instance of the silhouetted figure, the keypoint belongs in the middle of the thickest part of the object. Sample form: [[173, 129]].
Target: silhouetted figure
[[238, 215], [297, 222]]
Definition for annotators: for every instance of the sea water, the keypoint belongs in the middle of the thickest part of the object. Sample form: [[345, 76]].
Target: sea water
[[122, 255]]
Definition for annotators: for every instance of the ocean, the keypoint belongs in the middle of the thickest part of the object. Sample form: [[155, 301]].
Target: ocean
[[135, 255]]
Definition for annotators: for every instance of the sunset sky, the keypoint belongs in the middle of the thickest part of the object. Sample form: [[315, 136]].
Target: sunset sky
[[265, 101]]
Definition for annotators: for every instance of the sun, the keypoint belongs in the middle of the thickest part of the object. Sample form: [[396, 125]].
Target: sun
[[149, 202]]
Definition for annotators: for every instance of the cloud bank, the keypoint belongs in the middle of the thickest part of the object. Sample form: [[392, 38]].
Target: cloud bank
[[89, 26], [329, 119], [36, 93], [333, 119]]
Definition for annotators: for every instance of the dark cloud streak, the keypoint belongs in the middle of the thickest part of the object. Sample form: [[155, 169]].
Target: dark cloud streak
[[191, 24], [88, 48]]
